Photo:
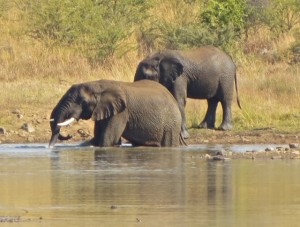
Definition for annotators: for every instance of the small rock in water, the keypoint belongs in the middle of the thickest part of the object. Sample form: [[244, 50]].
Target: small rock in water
[[138, 220], [10, 218], [280, 149], [113, 207], [221, 152], [219, 158], [276, 157], [293, 145], [2, 131], [28, 127], [269, 149], [207, 156]]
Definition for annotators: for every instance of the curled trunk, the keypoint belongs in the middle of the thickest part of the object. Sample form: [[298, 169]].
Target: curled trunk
[[57, 117]]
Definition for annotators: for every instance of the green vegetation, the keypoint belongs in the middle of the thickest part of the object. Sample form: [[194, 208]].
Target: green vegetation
[[46, 45]]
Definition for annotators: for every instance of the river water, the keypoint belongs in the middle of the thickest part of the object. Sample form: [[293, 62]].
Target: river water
[[71, 186]]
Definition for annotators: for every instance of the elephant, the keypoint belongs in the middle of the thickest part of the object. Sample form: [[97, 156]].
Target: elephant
[[143, 112], [202, 73]]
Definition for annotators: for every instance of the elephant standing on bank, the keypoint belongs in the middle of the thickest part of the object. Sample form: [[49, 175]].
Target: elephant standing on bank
[[203, 73], [143, 112]]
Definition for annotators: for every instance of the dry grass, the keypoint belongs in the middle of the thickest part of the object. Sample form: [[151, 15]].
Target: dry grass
[[269, 91], [33, 77]]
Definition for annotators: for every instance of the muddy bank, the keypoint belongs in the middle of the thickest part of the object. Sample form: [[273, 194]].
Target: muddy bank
[[285, 143]]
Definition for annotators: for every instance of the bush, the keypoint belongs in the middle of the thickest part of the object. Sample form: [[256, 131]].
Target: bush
[[282, 15], [101, 29], [96, 28], [226, 19]]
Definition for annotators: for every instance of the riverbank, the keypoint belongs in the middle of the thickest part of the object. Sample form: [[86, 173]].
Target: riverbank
[[278, 144]]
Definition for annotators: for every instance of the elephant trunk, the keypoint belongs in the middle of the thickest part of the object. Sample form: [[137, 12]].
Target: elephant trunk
[[55, 128]]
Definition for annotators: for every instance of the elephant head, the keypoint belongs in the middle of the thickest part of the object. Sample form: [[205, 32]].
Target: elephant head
[[84, 101], [161, 68]]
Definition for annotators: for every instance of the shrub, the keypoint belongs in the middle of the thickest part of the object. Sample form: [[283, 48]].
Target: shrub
[[226, 19], [96, 28], [282, 15]]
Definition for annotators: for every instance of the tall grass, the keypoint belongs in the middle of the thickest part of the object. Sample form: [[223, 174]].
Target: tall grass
[[34, 74]]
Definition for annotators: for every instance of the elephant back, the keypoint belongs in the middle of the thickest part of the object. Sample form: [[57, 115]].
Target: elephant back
[[146, 93]]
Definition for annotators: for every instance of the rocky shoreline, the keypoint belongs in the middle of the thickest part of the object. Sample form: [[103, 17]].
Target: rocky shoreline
[[291, 151], [278, 144]]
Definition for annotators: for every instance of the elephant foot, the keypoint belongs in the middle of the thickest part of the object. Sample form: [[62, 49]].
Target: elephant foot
[[225, 127], [88, 143], [204, 124]]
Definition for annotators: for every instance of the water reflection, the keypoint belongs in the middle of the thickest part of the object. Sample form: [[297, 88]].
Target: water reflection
[[147, 186]]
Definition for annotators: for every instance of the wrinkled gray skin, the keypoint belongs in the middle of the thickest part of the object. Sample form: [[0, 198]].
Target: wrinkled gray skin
[[143, 112], [203, 73]]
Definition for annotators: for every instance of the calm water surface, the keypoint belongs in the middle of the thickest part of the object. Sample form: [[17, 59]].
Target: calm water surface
[[70, 186]]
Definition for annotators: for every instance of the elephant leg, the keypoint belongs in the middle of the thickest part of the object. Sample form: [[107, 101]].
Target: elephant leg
[[227, 117], [180, 94], [210, 116], [184, 131], [108, 132]]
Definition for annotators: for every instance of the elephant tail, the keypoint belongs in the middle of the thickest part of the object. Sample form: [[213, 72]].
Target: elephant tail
[[182, 140], [236, 90]]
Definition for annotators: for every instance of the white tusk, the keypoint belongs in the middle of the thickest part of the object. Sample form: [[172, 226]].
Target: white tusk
[[52, 119], [66, 122]]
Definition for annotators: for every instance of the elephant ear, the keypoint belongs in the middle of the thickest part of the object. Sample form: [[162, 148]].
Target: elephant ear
[[170, 69], [147, 69], [110, 102]]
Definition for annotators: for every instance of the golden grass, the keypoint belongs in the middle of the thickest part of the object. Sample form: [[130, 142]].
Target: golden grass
[[33, 77]]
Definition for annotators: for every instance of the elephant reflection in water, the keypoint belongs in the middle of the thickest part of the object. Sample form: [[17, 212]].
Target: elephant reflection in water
[[143, 112]]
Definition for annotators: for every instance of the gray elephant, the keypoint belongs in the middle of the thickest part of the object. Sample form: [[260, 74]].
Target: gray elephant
[[203, 73], [143, 112]]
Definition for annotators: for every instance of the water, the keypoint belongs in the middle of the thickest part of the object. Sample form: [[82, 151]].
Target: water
[[71, 186]]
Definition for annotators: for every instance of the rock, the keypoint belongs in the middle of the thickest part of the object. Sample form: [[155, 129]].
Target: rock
[[207, 156], [221, 152], [20, 116], [2, 131], [244, 139], [276, 157], [287, 149], [113, 207], [138, 220], [28, 127], [293, 145], [10, 219], [83, 133], [16, 111], [269, 149], [280, 149], [219, 158]]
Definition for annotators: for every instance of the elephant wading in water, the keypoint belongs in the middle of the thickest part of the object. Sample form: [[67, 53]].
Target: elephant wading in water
[[203, 73], [143, 112]]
